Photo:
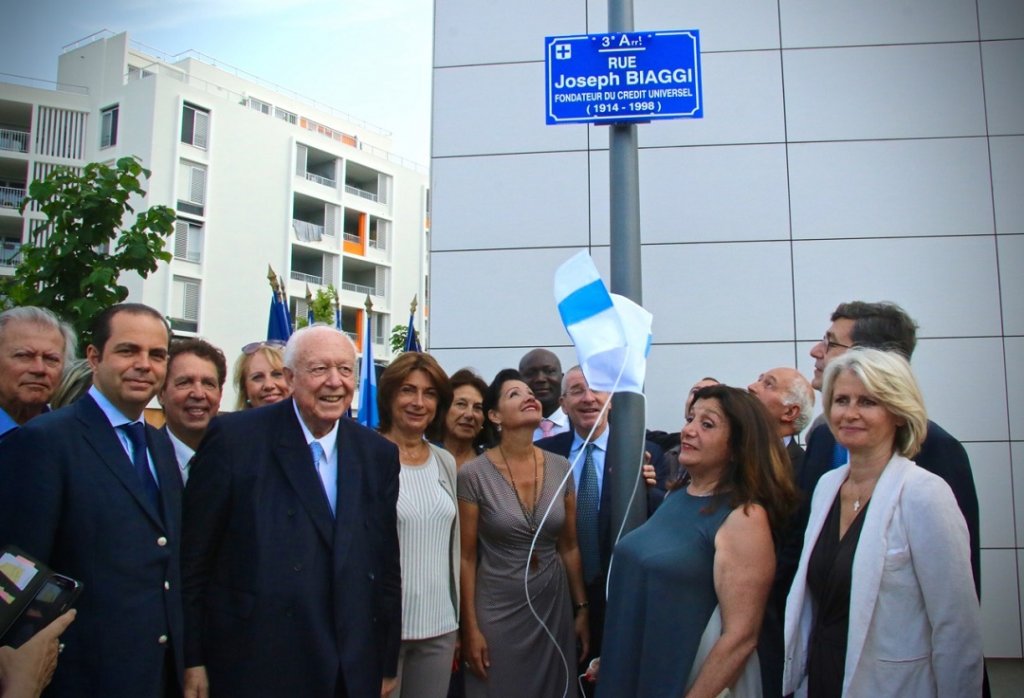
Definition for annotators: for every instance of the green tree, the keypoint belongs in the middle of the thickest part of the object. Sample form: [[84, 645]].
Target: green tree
[[322, 305], [72, 262], [398, 333]]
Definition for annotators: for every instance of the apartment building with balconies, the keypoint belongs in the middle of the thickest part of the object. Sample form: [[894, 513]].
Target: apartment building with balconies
[[258, 176]]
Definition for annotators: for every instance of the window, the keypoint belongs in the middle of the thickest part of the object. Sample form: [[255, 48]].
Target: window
[[191, 188], [108, 127], [285, 115], [185, 305], [188, 240], [195, 125], [259, 105]]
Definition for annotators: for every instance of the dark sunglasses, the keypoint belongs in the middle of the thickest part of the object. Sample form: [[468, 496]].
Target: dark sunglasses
[[253, 347]]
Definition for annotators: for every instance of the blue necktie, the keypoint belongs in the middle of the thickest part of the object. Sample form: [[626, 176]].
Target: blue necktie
[[586, 517], [136, 432], [319, 456]]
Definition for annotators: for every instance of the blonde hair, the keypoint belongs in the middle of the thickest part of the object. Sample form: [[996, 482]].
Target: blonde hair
[[274, 357], [888, 377]]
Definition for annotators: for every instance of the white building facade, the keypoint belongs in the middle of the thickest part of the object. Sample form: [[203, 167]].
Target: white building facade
[[863, 150], [257, 177]]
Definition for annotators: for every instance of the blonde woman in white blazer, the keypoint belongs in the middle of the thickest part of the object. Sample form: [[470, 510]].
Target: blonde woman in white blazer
[[913, 626]]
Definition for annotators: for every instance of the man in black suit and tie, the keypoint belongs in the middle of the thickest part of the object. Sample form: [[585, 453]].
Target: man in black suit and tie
[[591, 472], [196, 371], [789, 399], [94, 492], [290, 550]]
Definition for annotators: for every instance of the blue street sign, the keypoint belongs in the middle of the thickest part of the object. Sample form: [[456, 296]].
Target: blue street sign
[[623, 77]]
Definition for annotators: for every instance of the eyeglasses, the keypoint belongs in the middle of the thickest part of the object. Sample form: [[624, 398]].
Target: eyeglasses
[[831, 344], [253, 347]]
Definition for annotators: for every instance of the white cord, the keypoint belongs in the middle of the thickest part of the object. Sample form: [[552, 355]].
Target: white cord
[[547, 512]]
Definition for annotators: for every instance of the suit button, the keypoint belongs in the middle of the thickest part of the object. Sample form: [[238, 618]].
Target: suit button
[[298, 567], [161, 541], [162, 639], [167, 586], [291, 512]]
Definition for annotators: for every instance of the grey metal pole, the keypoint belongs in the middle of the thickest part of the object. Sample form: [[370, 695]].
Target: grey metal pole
[[627, 418]]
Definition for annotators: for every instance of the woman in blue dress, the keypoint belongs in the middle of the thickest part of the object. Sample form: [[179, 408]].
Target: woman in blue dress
[[687, 590]]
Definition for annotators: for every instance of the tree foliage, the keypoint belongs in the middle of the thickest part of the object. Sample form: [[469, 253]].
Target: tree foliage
[[322, 305], [398, 333], [73, 261]]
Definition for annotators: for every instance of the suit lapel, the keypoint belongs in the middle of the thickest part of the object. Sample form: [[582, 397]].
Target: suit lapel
[[99, 434], [169, 474], [869, 559], [352, 460], [295, 460]]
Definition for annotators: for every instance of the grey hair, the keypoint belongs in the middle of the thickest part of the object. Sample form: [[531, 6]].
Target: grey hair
[[291, 349], [44, 318], [565, 377], [802, 394]]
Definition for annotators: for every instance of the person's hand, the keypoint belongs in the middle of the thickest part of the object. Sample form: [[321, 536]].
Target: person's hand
[[26, 671], [388, 685], [649, 474], [582, 623], [197, 684], [474, 652]]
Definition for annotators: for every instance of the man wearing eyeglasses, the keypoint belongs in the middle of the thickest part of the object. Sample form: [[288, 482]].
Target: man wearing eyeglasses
[[290, 546], [887, 326]]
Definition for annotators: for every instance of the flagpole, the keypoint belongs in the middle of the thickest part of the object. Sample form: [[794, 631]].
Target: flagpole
[[626, 437]]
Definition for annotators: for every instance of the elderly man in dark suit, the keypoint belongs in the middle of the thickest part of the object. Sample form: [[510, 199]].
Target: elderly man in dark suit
[[789, 399], [94, 492], [290, 552], [590, 473]]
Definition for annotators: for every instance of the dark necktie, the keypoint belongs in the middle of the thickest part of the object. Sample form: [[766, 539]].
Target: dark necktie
[[840, 455], [586, 517], [136, 432]]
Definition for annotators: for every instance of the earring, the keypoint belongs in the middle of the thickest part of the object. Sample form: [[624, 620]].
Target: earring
[[498, 427]]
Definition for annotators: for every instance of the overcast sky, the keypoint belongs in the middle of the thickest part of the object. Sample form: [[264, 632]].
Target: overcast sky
[[369, 58]]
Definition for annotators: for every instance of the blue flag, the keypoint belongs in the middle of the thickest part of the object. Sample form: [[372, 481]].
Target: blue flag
[[368, 414], [278, 325], [412, 342]]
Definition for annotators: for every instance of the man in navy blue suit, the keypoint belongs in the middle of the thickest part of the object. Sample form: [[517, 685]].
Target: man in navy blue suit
[[94, 492], [292, 580], [583, 407], [883, 326]]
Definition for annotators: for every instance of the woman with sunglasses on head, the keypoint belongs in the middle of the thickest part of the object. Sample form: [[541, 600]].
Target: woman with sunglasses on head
[[259, 375]]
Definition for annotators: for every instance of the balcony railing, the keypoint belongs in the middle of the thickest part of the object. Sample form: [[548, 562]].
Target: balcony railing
[[377, 244], [360, 192], [352, 237], [308, 278], [306, 231], [321, 180], [11, 139], [11, 197], [10, 255], [360, 288]]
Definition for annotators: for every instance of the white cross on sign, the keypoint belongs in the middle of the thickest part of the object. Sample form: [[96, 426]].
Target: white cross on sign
[[563, 52]]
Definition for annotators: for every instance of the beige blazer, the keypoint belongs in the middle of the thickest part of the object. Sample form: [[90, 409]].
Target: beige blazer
[[915, 624]]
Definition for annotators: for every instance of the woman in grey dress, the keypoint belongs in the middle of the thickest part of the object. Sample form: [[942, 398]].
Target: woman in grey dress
[[503, 496]]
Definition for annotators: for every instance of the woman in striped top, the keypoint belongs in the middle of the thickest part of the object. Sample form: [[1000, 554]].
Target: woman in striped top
[[413, 397]]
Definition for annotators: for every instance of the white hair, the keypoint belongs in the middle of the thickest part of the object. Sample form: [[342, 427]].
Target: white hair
[[43, 318], [800, 393], [300, 336]]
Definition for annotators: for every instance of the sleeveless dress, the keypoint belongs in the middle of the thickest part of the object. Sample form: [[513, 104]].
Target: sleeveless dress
[[524, 661], [661, 597]]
